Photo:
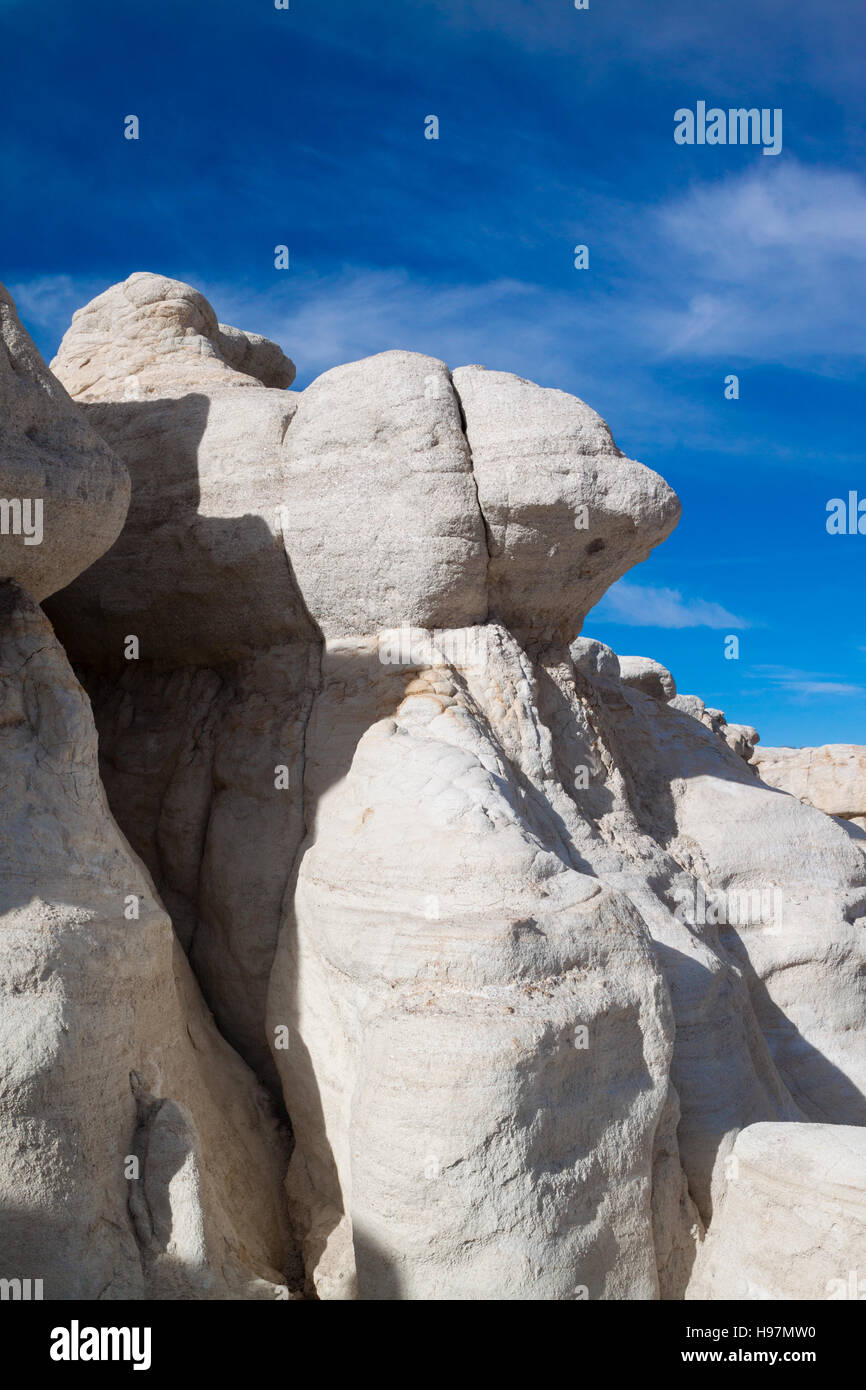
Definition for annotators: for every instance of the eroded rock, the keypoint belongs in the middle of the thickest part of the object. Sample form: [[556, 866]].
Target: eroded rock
[[566, 512], [140, 1158], [63, 492], [793, 1221], [650, 677], [540, 943], [832, 778]]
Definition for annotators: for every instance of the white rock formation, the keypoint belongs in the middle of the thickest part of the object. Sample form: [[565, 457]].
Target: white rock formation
[[832, 777], [461, 999], [382, 522], [566, 513], [519, 931], [793, 1221], [201, 549], [63, 493], [594, 659], [138, 1156], [642, 673], [151, 332]]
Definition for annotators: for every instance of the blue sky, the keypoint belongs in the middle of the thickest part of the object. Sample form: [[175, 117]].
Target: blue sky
[[306, 127]]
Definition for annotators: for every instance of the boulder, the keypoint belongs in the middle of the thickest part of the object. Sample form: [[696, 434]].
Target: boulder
[[741, 739], [832, 777], [594, 660], [200, 573], [566, 513], [382, 523], [153, 336], [648, 676], [63, 492], [793, 1221]]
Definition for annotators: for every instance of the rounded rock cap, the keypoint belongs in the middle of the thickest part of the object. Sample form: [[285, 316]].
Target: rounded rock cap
[[650, 677], [153, 336], [63, 493]]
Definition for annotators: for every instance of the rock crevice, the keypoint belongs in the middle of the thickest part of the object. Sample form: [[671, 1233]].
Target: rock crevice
[[530, 950]]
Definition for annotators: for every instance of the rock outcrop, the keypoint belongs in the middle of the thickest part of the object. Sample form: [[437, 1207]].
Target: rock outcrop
[[833, 777], [650, 677], [459, 1008], [793, 1222], [565, 512], [139, 1157], [528, 950], [151, 333], [63, 493]]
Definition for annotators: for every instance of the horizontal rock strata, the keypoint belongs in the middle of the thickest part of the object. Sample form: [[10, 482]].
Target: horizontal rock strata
[[529, 951]]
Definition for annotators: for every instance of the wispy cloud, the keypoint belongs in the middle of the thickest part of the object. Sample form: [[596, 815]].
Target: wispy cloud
[[324, 320], [767, 258], [637, 605], [762, 267], [46, 303], [773, 264], [804, 684]]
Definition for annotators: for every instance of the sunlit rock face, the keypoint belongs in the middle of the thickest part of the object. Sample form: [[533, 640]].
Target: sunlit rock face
[[64, 492], [514, 935], [833, 777]]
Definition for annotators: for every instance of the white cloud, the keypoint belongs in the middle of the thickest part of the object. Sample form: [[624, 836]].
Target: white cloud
[[772, 265], [636, 605], [762, 267], [325, 320], [788, 681], [46, 303]]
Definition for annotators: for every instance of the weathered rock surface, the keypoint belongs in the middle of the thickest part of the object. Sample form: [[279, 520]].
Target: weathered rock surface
[[566, 512], [201, 550], [459, 1008], [793, 1221], [594, 659], [832, 777], [205, 767], [650, 677], [258, 520], [139, 1158], [523, 937], [382, 525], [151, 333], [64, 493], [740, 738], [788, 890]]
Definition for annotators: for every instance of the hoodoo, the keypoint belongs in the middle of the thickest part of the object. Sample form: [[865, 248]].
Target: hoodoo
[[422, 1017]]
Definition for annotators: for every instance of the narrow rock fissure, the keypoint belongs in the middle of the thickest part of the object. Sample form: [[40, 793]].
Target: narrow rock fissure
[[484, 523]]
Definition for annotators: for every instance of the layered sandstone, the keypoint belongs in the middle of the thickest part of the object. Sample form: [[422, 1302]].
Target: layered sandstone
[[527, 949]]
